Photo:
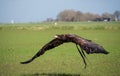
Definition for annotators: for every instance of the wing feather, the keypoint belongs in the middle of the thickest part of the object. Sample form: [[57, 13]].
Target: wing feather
[[92, 47], [52, 44]]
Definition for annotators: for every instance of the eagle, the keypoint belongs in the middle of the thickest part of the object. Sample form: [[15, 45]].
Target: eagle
[[86, 45]]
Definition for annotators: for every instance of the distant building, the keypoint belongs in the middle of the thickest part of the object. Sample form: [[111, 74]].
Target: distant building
[[102, 19], [107, 19]]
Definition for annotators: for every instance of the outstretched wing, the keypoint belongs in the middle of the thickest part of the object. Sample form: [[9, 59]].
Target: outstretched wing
[[91, 47], [52, 44]]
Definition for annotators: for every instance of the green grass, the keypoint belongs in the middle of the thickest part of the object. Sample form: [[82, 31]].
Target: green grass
[[19, 42]]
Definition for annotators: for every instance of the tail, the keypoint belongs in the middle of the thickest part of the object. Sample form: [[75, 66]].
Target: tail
[[30, 60]]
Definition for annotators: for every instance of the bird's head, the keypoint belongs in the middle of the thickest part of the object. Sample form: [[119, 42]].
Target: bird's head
[[56, 36], [61, 37]]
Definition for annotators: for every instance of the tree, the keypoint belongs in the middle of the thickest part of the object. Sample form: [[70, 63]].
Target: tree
[[91, 16], [117, 15], [106, 15], [78, 16], [66, 15], [71, 15], [49, 20]]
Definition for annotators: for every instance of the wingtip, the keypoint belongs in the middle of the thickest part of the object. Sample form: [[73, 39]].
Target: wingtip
[[26, 62], [106, 52], [23, 63]]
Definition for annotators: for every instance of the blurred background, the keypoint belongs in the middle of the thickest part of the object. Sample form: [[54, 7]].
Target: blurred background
[[25, 11]]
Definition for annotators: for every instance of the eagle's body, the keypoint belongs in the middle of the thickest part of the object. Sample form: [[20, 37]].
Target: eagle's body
[[87, 45]]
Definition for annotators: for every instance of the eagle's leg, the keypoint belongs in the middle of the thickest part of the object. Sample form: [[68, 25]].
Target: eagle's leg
[[83, 52], [82, 55]]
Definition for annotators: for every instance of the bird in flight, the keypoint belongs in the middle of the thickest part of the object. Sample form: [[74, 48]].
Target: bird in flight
[[86, 45]]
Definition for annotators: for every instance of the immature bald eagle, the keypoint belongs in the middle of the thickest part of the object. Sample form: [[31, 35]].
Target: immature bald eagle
[[87, 45]]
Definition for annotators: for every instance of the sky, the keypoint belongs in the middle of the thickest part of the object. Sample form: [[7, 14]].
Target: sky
[[22, 11]]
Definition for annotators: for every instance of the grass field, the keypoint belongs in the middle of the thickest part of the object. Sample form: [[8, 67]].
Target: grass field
[[19, 42]]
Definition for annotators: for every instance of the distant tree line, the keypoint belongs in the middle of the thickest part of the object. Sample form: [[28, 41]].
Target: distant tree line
[[76, 16]]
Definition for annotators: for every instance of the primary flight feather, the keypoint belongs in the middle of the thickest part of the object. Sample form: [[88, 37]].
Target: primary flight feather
[[87, 45]]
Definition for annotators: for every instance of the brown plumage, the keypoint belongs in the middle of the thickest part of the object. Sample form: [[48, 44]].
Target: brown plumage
[[87, 45]]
